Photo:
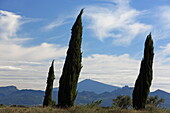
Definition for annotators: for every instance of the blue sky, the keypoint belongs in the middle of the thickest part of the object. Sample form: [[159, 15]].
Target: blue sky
[[34, 32]]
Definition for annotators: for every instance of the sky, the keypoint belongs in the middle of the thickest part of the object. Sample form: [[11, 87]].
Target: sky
[[34, 32]]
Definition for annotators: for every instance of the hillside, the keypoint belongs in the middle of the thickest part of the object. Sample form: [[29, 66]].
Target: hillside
[[164, 95], [10, 95]]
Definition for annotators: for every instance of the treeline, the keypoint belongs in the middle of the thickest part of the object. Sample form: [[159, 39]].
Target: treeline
[[68, 82]]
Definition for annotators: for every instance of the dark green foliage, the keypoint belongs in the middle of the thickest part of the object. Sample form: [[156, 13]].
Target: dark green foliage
[[94, 103], [123, 102], [143, 82], [154, 100], [48, 93], [72, 67]]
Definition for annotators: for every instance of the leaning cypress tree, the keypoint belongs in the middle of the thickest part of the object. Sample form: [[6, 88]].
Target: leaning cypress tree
[[143, 82], [48, 93], [72, 67]]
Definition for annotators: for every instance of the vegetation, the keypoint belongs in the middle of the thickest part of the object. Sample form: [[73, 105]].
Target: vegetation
[[48, 93], [143, 82], [94, 103], [77, 109], [72, 67], [123, 102], [155, 101]]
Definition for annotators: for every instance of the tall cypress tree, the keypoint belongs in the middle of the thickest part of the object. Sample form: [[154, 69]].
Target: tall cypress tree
[[143, 82], [72, 67], [48, 93]]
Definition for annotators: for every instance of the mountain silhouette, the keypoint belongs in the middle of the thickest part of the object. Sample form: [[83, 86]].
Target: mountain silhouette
[[89, 90], [93, 86]]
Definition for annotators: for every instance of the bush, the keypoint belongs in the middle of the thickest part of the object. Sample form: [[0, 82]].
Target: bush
[[94, 103], [123, 102], [155, 101]]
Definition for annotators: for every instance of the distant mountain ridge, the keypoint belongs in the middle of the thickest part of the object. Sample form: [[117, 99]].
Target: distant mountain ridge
[[7, 90], [93, 86], [106, 97], [10, 95]]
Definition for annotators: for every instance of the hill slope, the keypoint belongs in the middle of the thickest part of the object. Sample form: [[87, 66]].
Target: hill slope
[[10, 95]]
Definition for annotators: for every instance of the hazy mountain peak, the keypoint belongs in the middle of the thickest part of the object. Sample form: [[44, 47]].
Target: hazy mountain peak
[[159, 91], [87, 91], [95, 86], [8, 89]]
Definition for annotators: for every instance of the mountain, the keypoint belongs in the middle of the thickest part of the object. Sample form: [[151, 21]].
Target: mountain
[[162, 94], [93, 86], [106, 97], [7, 90], [10, 95]]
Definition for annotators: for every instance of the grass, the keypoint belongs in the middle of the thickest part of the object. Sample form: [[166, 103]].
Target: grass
[[77, 109]]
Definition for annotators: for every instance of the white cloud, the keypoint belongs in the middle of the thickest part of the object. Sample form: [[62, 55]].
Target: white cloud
[[9, 23], [163, 54], [11, 49], [116, 20], [28, 75], [164, 12], [41, 52], [54, 24], [122, 70], [24, 66], [116, 70], [9, 68], [58, 22], [162, 23], [9, 26], [20, 65]]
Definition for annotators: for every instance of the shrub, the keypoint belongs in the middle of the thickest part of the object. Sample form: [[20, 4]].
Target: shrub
[[123, 102]]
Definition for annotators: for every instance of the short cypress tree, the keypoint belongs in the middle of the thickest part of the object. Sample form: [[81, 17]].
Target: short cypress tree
[[143, 82], [48, 93], [72, 67]]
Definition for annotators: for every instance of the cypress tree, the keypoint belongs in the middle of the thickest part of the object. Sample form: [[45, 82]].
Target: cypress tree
[[143, 82], [48, 93], [72, 67]]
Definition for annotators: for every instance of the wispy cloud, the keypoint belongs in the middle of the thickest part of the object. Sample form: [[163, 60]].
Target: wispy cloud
[[9, 26], [9, 23], [57, 23], [123, 70], [7, 68], [164, 12], [22, 63], [41, 52], [162, 22], [54, 24], [163, 54], [117, 20], [24, 66]]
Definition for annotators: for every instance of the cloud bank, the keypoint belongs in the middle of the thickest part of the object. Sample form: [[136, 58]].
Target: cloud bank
[[20, 65], [117, 20], [24, 66]]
